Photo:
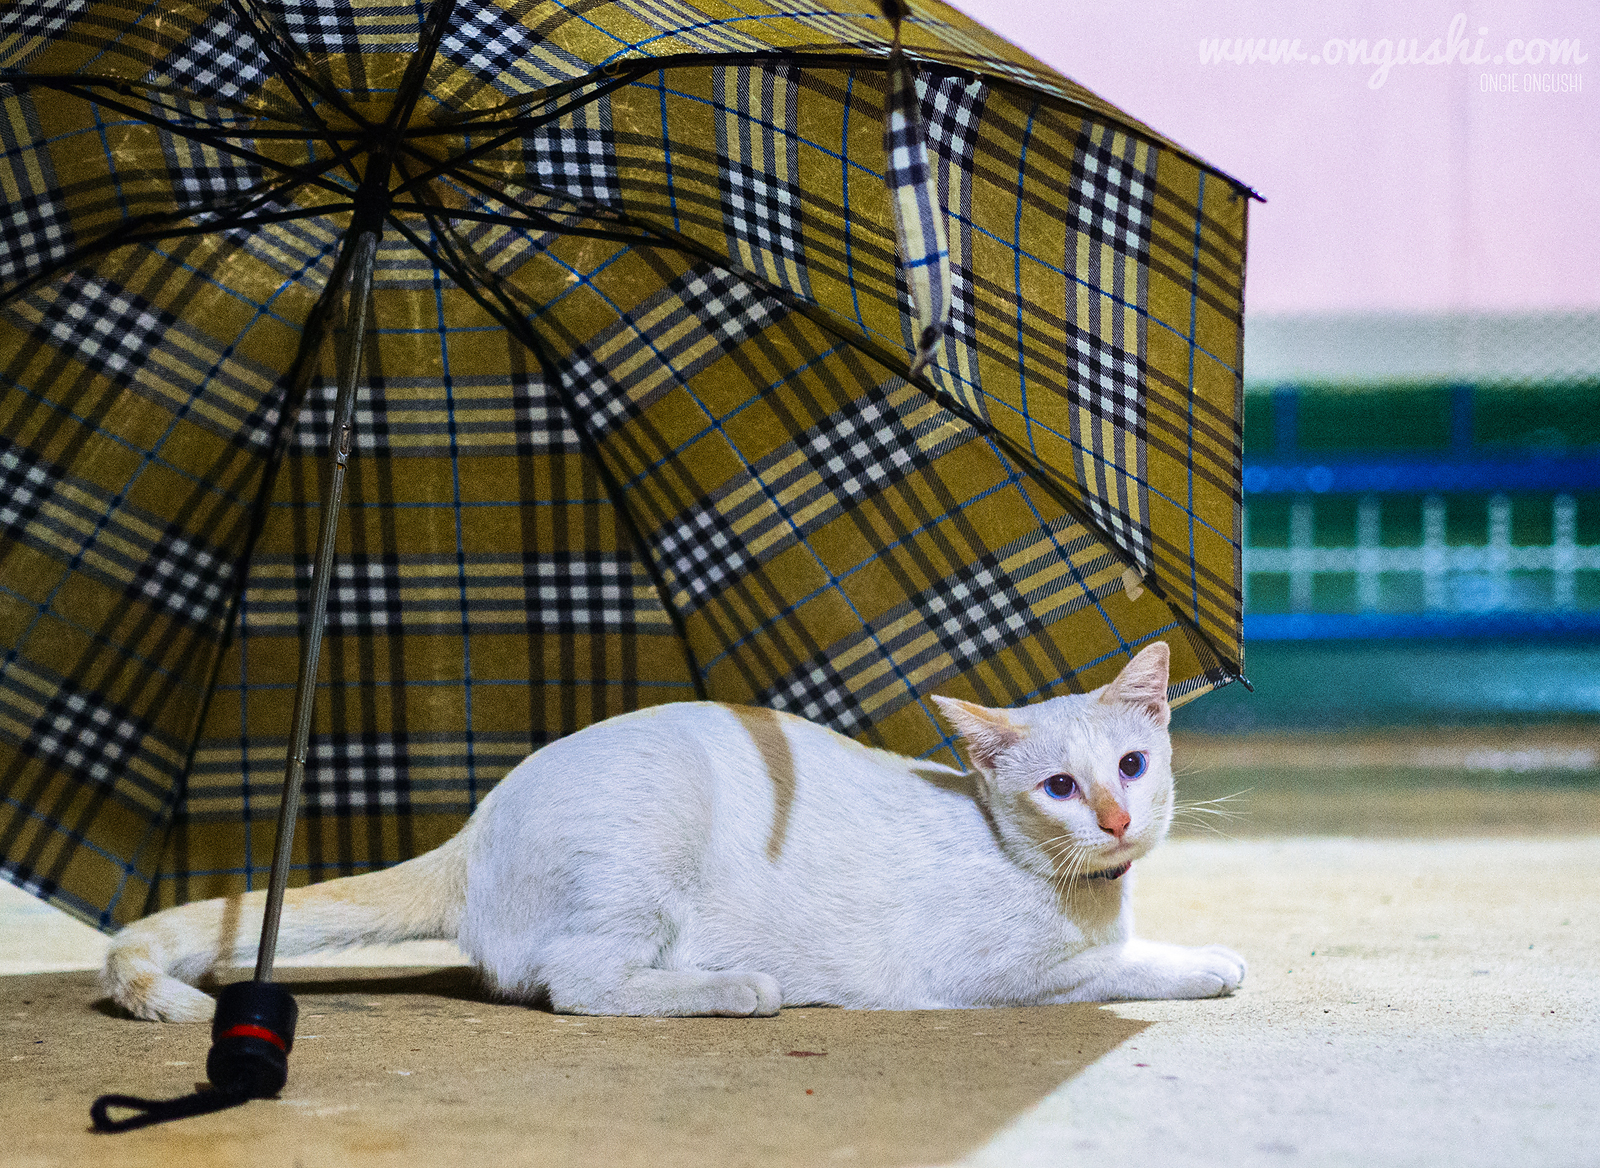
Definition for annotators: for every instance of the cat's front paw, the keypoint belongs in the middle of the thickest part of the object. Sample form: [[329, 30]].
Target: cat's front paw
[[1214, 971], [1154, 969]]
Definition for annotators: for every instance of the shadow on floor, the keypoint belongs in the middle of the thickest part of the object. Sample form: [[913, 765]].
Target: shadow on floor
[[400, 1066]]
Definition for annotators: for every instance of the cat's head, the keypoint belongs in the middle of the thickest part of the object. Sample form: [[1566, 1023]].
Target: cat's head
[[1079, 786]]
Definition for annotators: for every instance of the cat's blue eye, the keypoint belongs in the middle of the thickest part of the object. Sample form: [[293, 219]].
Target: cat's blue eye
[[1060, 786], [1133, 764]]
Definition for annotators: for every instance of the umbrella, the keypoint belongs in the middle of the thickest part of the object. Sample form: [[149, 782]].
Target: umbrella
[[820, 357]]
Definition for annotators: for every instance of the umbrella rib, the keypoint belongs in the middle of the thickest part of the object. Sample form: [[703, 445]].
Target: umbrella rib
[[286, 69], [217, 141], [502, 309], [436, 168], [153, 92], [320, 131], [456, 122], [295, 379], [134, 231], [433, 30], [472, 179], [530, 220]]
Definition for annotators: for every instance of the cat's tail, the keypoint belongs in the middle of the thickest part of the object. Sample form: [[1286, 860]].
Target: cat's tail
[[152, 964]]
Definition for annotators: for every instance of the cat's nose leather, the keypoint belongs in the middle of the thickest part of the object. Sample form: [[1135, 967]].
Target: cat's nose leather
[[1113, 819]]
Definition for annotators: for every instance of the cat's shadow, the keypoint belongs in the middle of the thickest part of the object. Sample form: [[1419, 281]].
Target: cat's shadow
[[460, 983]]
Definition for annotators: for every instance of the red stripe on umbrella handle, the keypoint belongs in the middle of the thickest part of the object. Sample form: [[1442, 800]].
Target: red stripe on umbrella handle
[[246, 1030]]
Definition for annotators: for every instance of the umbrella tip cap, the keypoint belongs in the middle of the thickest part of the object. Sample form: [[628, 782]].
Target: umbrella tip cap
[[251, 1036]]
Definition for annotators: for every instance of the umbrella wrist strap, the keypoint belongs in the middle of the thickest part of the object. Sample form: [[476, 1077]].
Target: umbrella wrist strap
[[149, 1111]]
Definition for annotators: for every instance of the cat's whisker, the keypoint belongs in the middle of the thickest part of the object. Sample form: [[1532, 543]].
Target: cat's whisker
[[1218, 799], [1218, 812], [1065, 856], [1078, 861], [1204, 814], [1200, 812]]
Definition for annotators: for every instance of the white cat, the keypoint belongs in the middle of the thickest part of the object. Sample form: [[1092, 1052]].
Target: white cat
[[712, 859]]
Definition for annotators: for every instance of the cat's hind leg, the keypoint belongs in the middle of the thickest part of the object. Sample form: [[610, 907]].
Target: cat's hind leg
[[584, 976]]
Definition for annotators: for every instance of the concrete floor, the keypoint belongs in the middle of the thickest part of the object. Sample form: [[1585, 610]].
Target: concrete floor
[[1428, 997]]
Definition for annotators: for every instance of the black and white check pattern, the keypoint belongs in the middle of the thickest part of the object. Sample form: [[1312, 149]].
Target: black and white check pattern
[[815, 691], [104, 326], [541, 420], [761, 209], [85, 735], [204, 176], [26, 481], [33, 883], [221, 61], [1130, 536], [27, 19], [1109, 380], [187, 579], [579, 592], [34, 233], [975, 612], [364, 595], [951, 110], [861, 449], [729, 309], [600, 402], [701, 555], [357, 772], [576, 155], [1111, 196], [258, 432], [485, 39], [313, 427], [329, 26]]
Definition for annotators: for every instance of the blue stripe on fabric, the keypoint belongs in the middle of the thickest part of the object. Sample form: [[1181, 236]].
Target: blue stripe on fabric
[[836, 580], [1016, 279], [761, 17], [666, 146], [446, 683], [715, 424], [1076, 279], [1078, 446], [157, 6], [461, 559]]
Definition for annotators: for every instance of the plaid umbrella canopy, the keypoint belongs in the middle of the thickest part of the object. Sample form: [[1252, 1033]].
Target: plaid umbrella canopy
[[650, 407]]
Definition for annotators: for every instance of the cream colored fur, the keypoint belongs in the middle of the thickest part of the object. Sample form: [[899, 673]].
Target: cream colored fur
[[701, 858]]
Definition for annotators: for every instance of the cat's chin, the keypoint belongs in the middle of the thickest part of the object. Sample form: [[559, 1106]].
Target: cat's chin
[[1116, 873]]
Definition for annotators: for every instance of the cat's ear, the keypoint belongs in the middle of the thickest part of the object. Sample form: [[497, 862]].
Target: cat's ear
[[1143, 683], [987, 733]]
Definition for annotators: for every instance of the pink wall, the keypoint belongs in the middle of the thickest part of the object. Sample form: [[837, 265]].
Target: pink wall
[[1425, 193]]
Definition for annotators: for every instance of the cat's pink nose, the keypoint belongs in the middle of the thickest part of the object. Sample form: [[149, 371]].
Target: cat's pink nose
[[1113, 819]]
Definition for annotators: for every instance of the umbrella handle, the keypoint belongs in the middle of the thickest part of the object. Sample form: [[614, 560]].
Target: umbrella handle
[[366, 248]]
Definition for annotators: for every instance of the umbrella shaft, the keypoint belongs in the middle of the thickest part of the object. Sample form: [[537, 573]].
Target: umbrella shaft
[[321, 575]]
